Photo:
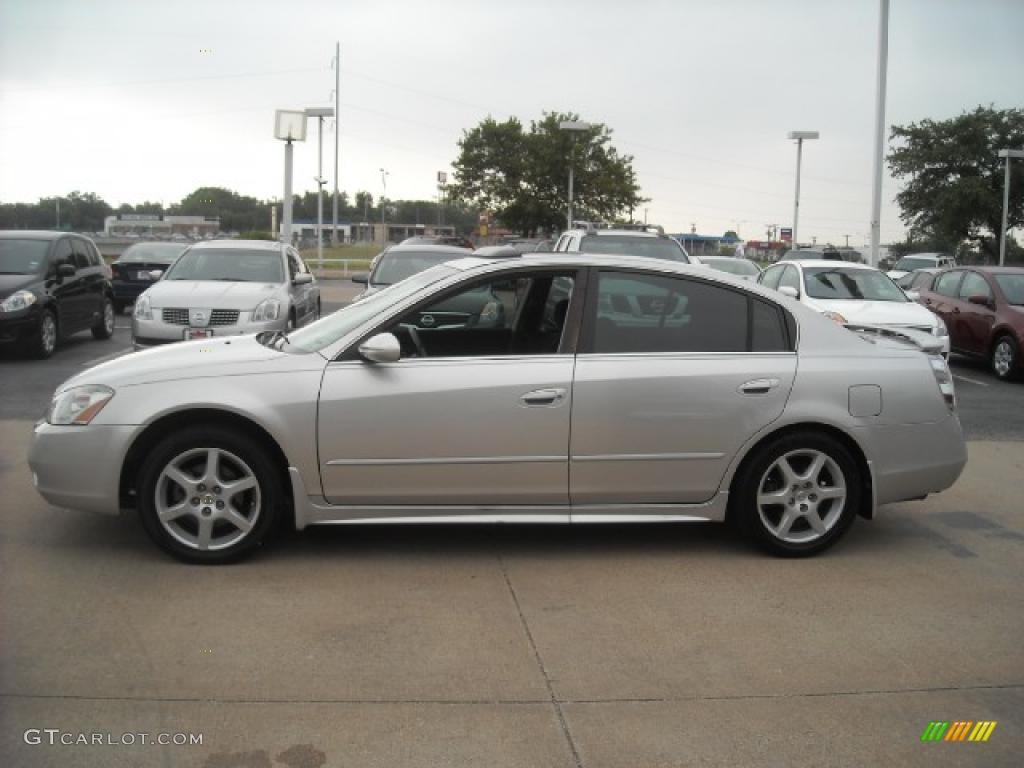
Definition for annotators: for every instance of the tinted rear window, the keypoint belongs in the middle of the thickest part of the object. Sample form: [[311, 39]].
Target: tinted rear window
[[651, 247], [162, 253]]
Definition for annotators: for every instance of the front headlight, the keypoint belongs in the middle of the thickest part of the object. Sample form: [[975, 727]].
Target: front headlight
[[78, 405], [143, 308], [18, 300], [940, 328], [269, 309], [835, 316]]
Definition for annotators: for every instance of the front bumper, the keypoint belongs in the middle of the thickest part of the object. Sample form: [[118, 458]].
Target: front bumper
[[17, 326], [149, 333], [80, 467]]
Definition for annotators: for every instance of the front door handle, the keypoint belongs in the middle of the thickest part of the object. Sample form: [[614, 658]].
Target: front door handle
[[543, 396], [758, 386]]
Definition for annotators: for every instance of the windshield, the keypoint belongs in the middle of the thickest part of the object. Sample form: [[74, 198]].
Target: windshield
[[740, 267], [22, 257], [151, 252], [862, 284], [394, 266], [1013, 288], [232, 265], [331, 328], [910, 263], [651, 247]]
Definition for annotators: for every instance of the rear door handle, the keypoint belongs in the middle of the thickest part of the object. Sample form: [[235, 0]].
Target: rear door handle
[[758, 386], [543, 396]]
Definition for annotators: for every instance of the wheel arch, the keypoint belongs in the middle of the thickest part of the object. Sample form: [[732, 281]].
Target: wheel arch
[[867, 480], [146, 440]]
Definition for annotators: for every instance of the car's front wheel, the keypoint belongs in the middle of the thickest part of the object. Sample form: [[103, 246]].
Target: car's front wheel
[[209, 495], [1005, 358], [799, 494], [44, 339]]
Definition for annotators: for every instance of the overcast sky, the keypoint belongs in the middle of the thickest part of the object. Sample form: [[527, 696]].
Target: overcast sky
[[143, 100]]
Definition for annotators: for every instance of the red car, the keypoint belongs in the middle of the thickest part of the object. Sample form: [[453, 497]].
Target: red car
[[984, 311]]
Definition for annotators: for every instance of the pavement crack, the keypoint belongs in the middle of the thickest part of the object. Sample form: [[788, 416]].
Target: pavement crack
[[555, 702]]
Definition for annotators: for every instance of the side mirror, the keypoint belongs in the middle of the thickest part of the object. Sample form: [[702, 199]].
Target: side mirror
[[302, 278], [980, 299], [156, 274], [382, 348], [789, 290], [912, 295], [363, 278], [65, 270]]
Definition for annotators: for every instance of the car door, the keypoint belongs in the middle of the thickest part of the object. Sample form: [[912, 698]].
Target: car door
[[475, 416], [664, 398], [312, 290], [93, 280], [73, 303], [976, 320], [943, 300]]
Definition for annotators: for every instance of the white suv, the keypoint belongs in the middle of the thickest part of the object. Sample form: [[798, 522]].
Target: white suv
[[648, 241], [914, 261]]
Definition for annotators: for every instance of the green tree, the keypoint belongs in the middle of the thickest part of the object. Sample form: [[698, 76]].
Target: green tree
[[953, 177], [523, 176]]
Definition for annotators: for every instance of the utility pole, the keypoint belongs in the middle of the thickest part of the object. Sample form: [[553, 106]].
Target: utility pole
[[58, 212], [847, 240], [383, 211], [337, 132], [876, 182]]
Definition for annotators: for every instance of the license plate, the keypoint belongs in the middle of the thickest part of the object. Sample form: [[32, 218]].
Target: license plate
[[198, 333], [143, 276]]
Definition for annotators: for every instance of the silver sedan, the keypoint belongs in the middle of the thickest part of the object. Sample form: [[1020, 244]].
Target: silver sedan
[[226, 288], [589, 389]]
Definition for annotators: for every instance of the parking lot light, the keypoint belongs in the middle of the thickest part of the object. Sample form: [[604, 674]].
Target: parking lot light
[[320, 113], [289, 126], [575, 127], [799, 137]]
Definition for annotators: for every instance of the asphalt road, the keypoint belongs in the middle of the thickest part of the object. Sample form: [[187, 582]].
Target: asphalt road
[[599, 647]]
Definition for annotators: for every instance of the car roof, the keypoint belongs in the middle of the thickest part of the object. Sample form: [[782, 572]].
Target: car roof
[[455, 250], [989, 270], [33, 234], [927, 255], [830, 263], [249, 245], [619, 232]]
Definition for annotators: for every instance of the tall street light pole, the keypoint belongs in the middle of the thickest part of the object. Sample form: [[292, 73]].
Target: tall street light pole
[[878, 159], [575, 127], [320, 113], [289, 126], [337, 132], [383, 198], [799, 137], [1008, 154]]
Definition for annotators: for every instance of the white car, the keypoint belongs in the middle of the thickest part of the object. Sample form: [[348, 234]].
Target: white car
[[854, 294], [920, 261]]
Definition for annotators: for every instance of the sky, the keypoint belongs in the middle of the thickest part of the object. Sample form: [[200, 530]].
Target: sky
[[149, 100]]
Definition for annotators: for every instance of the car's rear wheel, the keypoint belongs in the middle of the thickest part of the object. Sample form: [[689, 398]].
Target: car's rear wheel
[[104, 327], [209, 495], [799, 494], [44, 341], [1005, 357]]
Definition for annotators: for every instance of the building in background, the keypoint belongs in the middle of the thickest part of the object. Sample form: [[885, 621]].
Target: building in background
[[160, 225]]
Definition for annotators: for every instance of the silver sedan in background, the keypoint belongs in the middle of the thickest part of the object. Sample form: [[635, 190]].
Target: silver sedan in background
[[605, 389], [227, 288]]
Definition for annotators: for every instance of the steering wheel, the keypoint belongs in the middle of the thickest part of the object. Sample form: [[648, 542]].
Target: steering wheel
[[414, 335]]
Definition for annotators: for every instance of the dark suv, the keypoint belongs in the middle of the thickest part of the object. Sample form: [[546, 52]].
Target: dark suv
[[52, 284]]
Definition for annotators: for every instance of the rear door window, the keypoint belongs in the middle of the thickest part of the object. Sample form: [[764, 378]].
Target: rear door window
[[974, 285]]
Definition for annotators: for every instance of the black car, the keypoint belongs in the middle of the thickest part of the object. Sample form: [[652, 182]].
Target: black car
[[132, 272], [52, 284]]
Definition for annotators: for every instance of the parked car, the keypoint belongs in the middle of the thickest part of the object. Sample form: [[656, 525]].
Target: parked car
[[917, 281], [398, 262], [854, 294], [743, 268], [674, 393], [920, 261], [650, 242], [132, 273], [52, 285], [529, 245], [227, 288], [456, 240], [984, 310]]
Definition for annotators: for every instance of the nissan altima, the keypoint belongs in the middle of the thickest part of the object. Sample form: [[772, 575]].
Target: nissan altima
[[607, 389]]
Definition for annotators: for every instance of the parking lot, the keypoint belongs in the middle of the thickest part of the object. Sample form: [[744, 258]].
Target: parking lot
[[518, 646]]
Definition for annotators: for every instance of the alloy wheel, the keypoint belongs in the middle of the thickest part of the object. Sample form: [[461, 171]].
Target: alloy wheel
[[801, 496], [207, 499], [1002, 358], [108, 317], [48, 333]]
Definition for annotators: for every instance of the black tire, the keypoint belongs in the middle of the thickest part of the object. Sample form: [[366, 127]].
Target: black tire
[[1005, 358], [266, 513], [746, 488], [44, 340], [104, 327]]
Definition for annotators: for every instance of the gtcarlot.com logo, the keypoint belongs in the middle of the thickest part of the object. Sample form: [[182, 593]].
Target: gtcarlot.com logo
[[958, 730], [57, 737]]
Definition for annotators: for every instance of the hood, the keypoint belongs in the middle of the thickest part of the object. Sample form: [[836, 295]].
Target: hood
[[11, 283], [212, 294], [226, 356], [876, 312]]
